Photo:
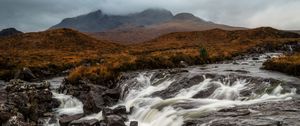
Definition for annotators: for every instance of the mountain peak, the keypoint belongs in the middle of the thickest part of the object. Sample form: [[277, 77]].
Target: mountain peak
[[156, 13], [186, 16], [96, 13], [9, 32]]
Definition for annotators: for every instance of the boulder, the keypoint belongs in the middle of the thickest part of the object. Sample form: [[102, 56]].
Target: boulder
[[120, 110], [25, 74], [115, 120], [65, 120], [134, 123]]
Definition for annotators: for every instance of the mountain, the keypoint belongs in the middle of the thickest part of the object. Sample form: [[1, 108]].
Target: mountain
[[98, 21], [137, 27], [9, 32]]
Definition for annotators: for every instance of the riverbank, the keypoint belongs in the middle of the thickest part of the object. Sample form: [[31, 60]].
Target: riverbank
[[289, 64]]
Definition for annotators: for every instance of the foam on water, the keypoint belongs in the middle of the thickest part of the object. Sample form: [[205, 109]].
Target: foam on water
[[154, 111]]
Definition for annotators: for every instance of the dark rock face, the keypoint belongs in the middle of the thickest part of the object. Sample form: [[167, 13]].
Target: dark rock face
[[94, 97], [26, 102], [98, 22], [9, 32]]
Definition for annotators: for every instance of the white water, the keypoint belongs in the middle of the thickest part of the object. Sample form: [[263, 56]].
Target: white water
[[155, 111], [69, 105]]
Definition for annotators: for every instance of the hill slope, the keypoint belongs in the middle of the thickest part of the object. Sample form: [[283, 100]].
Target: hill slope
[[187, 48], [217, 41], [52, 50]]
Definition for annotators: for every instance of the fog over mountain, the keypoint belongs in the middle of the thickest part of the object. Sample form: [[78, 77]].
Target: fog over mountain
[[35, 15]]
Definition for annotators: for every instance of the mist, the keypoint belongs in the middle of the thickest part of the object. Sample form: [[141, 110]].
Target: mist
[[37, 15]]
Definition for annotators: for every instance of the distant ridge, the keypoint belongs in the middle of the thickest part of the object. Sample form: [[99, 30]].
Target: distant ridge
[[137, 27]]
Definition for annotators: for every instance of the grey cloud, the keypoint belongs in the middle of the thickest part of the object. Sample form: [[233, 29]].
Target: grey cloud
[[35, 15]]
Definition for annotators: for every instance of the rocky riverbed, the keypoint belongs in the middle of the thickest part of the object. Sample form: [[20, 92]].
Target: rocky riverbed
[[228, 93]]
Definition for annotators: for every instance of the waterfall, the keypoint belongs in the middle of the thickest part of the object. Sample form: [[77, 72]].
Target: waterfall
[[154, 111]]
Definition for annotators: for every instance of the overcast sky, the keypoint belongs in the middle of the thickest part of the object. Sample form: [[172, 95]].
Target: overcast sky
[[37, 15]]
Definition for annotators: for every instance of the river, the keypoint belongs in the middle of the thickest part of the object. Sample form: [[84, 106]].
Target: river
[[195, 94]]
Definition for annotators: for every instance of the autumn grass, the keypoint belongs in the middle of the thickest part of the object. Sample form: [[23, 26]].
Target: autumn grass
[[170, 51], [102, 62], [289, 64]]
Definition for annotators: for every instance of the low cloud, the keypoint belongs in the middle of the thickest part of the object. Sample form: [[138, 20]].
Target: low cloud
[[36, 15]]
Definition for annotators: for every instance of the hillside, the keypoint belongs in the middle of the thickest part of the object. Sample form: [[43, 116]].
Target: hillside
[[190, 48], [51, 51], [137, 27], [218, 41]]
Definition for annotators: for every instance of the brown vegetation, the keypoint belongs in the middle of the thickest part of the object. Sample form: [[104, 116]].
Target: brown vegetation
[[168, 51], [289, 64], [102, 62], [52, 51]]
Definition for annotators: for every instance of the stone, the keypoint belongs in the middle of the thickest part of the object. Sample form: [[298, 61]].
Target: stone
[[92, 122], [134, 123], [115, 120], [65, 120], [25, 74]]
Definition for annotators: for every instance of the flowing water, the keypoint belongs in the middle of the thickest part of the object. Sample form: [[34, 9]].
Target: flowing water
[[164, 98], [69, 104]]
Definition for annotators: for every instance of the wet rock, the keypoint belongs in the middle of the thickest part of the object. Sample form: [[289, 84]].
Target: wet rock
[[134, 123], [235, 63], [206, 93], [175, 87], [232, 112], [243, 122], [244, 63], [31, 100], [120, 110], [107, 112], [25, 74], [17, 120], [183, 64], [263, 114], [255, 58], [3, 94], [115, 120], [94, 97], [65, 120], [111, 96], [92, 122], [242, 71]]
